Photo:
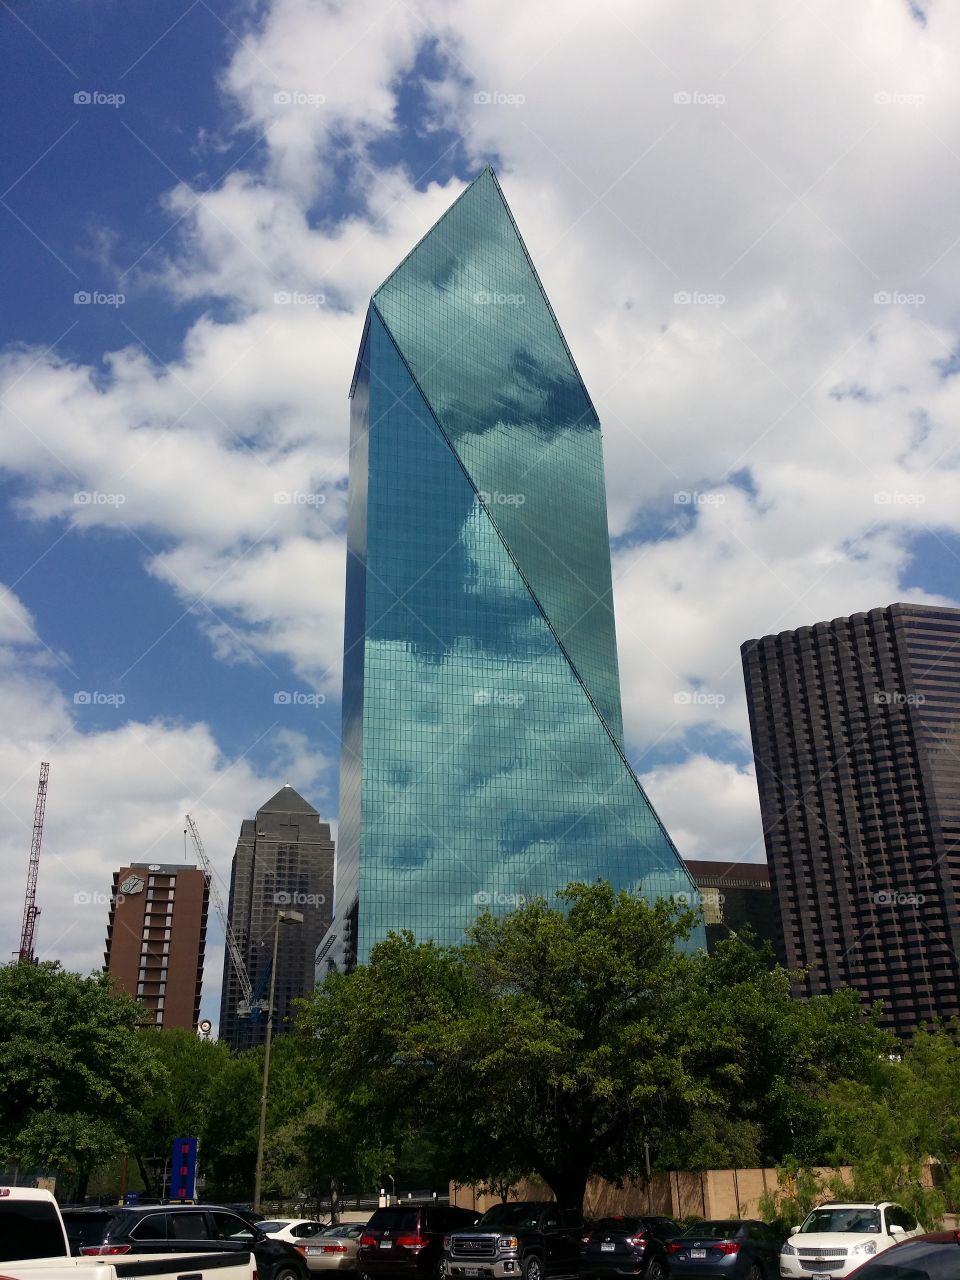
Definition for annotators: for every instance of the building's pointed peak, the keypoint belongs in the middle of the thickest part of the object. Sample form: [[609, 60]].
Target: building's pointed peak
[[486, 175], [287, 800]]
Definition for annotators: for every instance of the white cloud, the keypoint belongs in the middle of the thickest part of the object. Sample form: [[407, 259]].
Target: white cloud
[[115, 796], [16, 624], [725, 825], [799, 198]]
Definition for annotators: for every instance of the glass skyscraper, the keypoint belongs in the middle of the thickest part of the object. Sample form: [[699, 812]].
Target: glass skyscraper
[[483, 759]]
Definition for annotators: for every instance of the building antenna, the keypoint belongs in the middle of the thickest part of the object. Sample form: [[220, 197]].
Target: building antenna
[[30, 908]]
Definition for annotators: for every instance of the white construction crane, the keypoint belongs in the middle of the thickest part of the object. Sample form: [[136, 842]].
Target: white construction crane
[[247, 1005]]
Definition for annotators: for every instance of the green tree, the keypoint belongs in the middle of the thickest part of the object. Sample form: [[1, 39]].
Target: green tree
[[559, 1040], [552, 1042], [228, 1133], [798, 1189], [890, 1128], [183, 1100], [792, 1052], [75, 1068]]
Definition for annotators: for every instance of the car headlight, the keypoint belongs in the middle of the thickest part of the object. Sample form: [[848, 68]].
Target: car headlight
[[788, 1251], [868, 1247], [508, 1242]]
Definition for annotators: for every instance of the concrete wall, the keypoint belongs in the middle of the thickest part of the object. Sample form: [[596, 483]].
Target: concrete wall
[[715, 1193]]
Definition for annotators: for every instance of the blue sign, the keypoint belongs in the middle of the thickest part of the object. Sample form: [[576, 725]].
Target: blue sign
[[183, 1169]]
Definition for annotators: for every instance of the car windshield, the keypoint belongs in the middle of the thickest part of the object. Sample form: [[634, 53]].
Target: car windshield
[[627, 1225], [854, 1220], [713, 1230], [509, 1215], [272, 1226]]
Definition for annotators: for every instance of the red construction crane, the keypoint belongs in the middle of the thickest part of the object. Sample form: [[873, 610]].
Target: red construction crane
[[30, 908]]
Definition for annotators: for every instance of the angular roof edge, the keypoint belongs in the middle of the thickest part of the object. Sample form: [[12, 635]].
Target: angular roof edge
[[543, 293], [487, 169], [287, 800], [429, 231]]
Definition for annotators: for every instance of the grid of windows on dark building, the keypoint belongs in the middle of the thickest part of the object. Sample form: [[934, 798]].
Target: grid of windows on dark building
[[283, 863], [856, 735]]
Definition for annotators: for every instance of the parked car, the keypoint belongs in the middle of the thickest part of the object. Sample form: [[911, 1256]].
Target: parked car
[[741, 1249], [835, 1238], [623, 1246], [172, 1228], [34, 1245], [532, 1240], [933, 1256], [407, 1239], [333, 1248], [290, 1229]]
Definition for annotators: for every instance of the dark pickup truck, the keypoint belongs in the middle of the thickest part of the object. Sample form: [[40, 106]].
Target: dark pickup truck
[[528, 1240]]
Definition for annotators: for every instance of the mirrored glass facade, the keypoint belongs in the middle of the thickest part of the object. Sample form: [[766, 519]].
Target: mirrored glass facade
[[482, 735]]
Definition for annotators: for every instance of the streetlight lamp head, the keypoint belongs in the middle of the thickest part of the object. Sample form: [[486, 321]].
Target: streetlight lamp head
[[290, 917]]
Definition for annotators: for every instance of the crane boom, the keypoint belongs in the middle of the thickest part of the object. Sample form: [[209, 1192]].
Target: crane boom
[[30, 908], [233, 947]]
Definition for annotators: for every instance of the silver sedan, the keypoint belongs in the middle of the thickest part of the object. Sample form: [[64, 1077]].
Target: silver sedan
[[332, 1251]]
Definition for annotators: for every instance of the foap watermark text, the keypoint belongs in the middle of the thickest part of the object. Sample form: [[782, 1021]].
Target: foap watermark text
[[298, 698], [94, 698], [296, 899], [488, 898]]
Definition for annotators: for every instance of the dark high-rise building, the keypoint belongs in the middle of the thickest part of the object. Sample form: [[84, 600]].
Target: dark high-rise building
[[483, 758], [734, 896], [856, 733], [156, 937], [283, 861]]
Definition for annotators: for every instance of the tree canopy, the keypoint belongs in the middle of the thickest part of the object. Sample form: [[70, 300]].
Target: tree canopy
[[563, 1040], [558, 1040], [75, 1068]]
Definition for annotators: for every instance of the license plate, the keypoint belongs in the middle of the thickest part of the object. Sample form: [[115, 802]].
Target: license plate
[[386, 1244], [607, 1248], [821, 1275], [471, 1271], [698, 1253]]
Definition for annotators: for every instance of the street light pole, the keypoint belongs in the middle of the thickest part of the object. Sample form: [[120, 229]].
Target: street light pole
[[286, 917]]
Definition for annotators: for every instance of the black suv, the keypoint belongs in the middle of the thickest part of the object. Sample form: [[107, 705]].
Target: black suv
[[627, 1246], [407, 1239], [180, 1228], [528, 1240]]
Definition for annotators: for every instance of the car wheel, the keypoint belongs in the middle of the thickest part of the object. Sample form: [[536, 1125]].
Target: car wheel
[[532, 1269], [756, 1272], [286, 1273], [657, 1271]]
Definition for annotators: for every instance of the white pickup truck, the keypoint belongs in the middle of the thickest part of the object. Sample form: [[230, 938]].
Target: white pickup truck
[[33, 1246]]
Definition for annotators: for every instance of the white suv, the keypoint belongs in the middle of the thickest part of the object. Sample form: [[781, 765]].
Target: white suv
[[834, 1239]]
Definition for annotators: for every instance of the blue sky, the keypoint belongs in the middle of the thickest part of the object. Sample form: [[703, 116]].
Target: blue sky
[[718, 208]]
